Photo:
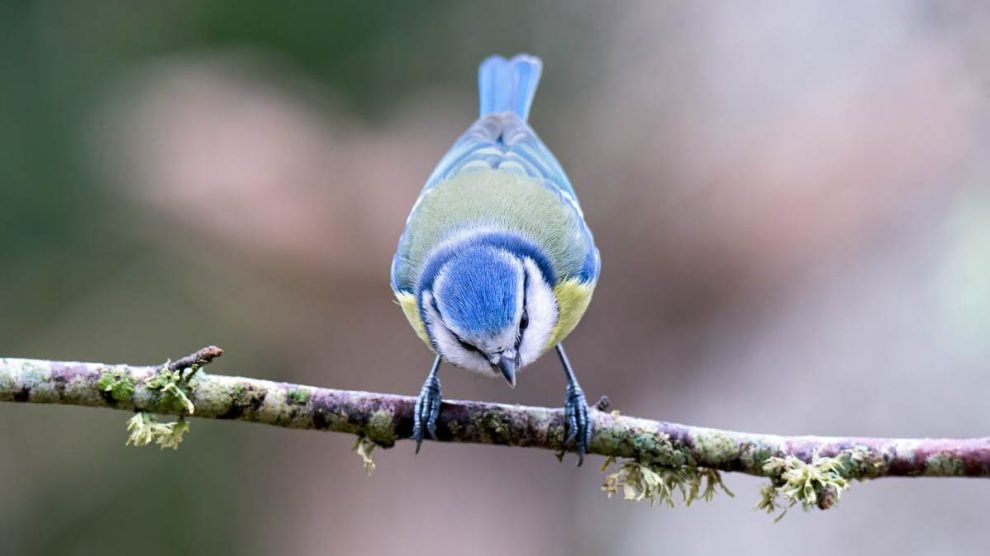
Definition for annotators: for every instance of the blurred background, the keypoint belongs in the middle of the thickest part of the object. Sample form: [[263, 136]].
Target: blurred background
[[791, 201]]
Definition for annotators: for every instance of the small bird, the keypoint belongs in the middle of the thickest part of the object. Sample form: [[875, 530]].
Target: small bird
[[496, 265]]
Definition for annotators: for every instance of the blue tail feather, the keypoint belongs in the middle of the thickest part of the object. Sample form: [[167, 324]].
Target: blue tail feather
[[509, 85]]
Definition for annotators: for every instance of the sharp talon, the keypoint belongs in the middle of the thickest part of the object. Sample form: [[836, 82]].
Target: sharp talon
[[603, 403], [577, 423], [426, 411]]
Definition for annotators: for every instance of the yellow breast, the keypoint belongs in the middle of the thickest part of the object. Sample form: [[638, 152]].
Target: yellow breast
[[573, 297]]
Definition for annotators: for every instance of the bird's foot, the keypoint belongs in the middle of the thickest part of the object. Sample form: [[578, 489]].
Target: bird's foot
[[427, 411], [577, 424]]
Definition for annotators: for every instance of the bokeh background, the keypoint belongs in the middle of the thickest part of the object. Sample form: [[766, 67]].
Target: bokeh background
[[791, 201]]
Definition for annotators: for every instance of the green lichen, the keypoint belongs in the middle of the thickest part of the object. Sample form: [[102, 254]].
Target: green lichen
[[861, 463], [118, 383], [606, 440], [363, 447], [754, 456], [817, 484], [381, 428], [715, 447], [171, 387], [338, 421], [653, 446], [637, 480], [659, 471], [493, 424], [298, 396], [942, 465], [145, 429]]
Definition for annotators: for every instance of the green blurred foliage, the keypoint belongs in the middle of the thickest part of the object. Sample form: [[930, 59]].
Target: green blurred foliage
[[64, 235], [58, 59]]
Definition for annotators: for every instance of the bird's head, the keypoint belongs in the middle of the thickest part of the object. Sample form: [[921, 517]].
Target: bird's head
[[489, 309]]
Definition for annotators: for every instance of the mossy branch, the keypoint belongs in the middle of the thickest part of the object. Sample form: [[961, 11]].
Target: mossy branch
[[658, 457]]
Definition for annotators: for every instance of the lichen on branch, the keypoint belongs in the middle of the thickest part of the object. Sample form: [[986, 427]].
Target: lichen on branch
[[145, 429], [637, 481], [657, 461]]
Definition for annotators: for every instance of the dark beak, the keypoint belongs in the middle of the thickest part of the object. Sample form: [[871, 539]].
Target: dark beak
[[508, 368]]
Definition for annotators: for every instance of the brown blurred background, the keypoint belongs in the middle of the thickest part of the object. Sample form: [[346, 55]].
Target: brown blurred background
[[791, 201]]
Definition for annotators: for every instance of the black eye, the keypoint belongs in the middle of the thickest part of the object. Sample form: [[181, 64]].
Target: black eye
[[524, 321], [467, 346]]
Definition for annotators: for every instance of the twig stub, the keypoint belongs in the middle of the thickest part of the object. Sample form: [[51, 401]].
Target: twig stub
[[196, 360]]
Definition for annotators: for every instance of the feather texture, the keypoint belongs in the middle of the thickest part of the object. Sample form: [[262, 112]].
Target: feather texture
[[499, 192], [508, 85]]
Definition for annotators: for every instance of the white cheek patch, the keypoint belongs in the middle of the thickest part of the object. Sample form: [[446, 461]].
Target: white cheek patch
[[541, 308], [446, 343]]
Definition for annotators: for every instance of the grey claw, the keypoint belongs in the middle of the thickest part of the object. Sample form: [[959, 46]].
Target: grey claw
[[427, 411], [577, 423]]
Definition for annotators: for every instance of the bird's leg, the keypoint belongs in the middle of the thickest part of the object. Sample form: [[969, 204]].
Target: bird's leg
[[427, 407], [577, 425]]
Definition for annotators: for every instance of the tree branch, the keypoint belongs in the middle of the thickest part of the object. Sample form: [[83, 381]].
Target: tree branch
[[384, 418]]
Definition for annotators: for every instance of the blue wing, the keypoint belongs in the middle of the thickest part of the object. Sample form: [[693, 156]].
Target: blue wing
[[502, 139]]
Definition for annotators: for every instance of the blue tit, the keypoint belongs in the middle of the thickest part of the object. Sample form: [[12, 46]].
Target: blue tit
[[496, 265]]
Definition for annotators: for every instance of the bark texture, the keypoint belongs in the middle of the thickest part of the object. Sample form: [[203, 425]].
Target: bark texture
[[386, 418]]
